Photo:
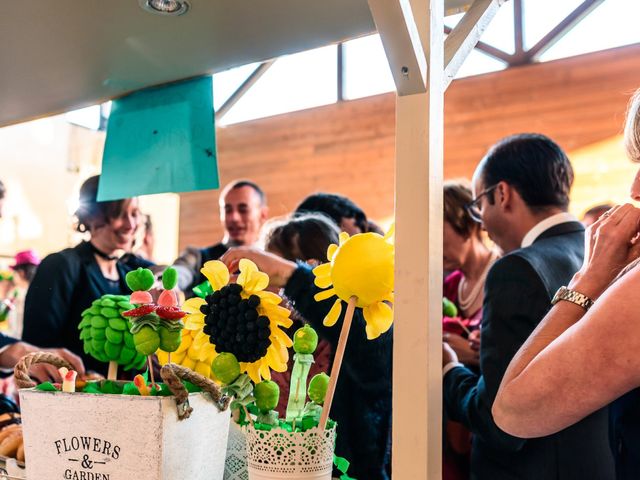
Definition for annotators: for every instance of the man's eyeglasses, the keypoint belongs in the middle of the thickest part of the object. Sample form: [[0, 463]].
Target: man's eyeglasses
[[473, 207]]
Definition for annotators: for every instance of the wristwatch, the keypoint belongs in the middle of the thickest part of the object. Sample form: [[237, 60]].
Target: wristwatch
[[572, 296]]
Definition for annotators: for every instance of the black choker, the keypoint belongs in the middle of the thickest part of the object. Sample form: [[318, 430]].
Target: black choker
[[101, 254]]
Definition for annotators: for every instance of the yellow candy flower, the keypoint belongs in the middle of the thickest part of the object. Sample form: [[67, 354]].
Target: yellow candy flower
[[253, 283], [362, 267], [195, 351]]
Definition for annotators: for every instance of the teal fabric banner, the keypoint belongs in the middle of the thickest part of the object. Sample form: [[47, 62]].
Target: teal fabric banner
[[161, 139]]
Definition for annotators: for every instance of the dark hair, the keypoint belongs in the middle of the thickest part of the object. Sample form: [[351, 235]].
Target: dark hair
[[244, 183], [91, 211], [534, 165], [28, 270], [335, 206], [598, 210], [303, 237], [457, 195], [3, 190]]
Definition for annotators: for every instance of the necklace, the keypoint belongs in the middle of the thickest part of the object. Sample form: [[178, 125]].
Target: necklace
[[470, 301], [101, 254]]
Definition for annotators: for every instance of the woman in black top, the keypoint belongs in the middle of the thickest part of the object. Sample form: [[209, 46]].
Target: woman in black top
[[68, 281]]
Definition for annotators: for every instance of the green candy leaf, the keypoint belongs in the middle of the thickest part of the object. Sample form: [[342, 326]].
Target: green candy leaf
[[140, 279], [130, 389], [46, 387], [92, 387], [203, 290], [111, 387], [170, 278]]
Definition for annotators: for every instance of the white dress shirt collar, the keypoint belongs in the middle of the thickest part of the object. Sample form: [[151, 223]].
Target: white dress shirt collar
[[545, 225]]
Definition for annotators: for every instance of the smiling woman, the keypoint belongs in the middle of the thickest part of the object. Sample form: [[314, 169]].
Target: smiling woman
[[68, 281]]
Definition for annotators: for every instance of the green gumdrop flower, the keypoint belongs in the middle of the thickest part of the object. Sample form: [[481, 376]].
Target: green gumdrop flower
[[318, 388], [226, 367], [140, 279], [449, 308], [112, 351], [267, 395], [170, 278], [169, 341], [305, 340], [146, 340]]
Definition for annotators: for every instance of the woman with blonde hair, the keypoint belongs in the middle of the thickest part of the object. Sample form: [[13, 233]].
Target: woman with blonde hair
[[585, 355]]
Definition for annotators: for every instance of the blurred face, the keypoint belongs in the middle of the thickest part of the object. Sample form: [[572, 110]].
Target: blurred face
[[635, 187], [242, 215], [455, 248], [118, 234], [349, 225]]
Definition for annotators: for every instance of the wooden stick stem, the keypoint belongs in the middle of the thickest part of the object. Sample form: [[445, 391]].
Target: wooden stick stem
[[112, 374], [153, 380], [337, 362]]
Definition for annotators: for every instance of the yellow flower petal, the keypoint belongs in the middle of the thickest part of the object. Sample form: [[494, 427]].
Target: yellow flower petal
[[323, 282], [268, 297], [390, 235], [332, 317], [320, 296], [195, 321], [217, 273], [253, 370], [323, 270], [344, 236], [278, 335], [256, 282], [265, 371], [163, 357], [379, 318], [193, 305], [331, 251], [247, 268]]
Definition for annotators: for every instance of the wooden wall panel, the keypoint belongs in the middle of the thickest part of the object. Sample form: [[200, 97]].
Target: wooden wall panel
[[348, 147]]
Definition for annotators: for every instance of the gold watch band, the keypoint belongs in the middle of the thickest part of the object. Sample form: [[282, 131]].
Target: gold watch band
[[572, 296]]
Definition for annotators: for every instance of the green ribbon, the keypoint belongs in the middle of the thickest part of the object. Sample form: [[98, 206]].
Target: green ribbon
[[342, 464]]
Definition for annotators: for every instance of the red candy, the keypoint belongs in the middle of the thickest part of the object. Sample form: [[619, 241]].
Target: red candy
[[168, 298], [170, 313], [140, 311]]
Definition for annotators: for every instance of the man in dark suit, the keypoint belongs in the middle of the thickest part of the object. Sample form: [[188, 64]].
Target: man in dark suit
[[521, 191]]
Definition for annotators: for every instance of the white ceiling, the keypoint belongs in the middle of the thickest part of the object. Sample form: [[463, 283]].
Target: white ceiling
[[58, 55]]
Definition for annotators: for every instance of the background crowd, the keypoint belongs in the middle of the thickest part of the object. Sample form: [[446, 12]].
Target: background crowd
[[509, 246]]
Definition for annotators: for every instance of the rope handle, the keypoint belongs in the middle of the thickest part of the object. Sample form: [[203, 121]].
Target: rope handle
[[21, 370], [172, 375]]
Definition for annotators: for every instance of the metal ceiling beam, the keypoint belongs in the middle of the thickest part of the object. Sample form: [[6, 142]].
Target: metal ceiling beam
[[560, 30], [487, 49], [243, 88], [464, 37]]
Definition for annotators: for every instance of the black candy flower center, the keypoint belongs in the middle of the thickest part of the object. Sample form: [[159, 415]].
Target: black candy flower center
[[234, 325]]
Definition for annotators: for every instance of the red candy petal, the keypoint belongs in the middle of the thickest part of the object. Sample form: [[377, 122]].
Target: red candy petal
[[140, 311], [170, 313]]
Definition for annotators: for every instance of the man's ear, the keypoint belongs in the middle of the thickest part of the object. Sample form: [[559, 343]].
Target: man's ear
[[505, 195], [264, 213]]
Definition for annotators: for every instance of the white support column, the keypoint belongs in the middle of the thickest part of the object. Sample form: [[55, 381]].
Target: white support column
[[417, 367], [402, 44]]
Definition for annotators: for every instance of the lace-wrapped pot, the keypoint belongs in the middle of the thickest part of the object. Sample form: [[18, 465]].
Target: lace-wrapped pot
[[278, 454], [235, 467]]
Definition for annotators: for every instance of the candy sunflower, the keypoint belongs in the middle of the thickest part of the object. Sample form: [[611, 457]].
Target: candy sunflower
[[360, 266], [240, 318]]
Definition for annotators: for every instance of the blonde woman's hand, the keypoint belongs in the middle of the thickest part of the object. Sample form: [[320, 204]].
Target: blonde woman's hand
[[611, 244]]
